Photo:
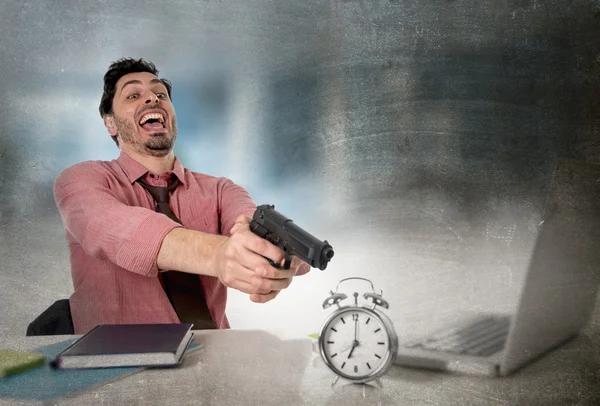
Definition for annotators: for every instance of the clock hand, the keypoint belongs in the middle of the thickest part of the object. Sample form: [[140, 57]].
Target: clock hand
[[355, 342], [354, 345], [347, 348]]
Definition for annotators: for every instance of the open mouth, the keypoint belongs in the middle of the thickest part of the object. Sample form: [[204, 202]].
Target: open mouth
[[152, 121]]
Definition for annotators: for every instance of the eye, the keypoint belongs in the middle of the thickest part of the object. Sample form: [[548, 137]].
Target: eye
[[161, 95], [132, 96]]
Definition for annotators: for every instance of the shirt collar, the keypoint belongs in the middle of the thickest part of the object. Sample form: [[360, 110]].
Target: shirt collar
[[134, 170]]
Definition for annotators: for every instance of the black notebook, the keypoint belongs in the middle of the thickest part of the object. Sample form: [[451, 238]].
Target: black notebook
[[127, 345]]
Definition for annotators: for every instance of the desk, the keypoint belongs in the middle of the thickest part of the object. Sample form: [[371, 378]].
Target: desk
[[246, 367]]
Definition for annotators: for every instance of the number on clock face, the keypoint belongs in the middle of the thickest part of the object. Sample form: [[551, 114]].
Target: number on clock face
[[355, 343]]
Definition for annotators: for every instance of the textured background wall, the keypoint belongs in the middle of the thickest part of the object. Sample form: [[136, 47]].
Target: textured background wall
[[418, 137]]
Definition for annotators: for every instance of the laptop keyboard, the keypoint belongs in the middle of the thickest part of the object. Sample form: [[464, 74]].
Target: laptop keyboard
[[482, 337]]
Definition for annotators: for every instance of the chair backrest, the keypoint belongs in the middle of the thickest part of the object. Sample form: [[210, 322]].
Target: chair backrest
[[55, 320]]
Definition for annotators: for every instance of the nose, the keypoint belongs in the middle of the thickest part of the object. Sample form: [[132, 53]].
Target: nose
[[152, 99]]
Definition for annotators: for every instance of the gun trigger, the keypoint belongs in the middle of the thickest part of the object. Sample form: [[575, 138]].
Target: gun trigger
[[273, 264], [285, 266], [288, 262]]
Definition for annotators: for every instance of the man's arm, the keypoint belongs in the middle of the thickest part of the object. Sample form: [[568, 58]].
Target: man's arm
[[192, 251], [104, 226], [189, 251], [143, 241], [238, 261]]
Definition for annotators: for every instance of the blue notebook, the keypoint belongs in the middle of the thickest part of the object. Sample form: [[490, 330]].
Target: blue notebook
[[128, 345], [47, 383]]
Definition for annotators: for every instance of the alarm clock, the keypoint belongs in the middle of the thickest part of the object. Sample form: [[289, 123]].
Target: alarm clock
[[358, 342]]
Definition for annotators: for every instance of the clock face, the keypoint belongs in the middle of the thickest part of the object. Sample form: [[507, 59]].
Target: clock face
[[355, 343]]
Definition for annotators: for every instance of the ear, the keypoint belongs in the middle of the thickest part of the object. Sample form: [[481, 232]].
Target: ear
[[109, 123]]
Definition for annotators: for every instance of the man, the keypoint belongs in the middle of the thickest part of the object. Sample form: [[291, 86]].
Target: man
[[125, 244]]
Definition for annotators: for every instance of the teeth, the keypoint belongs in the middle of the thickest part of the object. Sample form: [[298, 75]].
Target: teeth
[[156, 116]]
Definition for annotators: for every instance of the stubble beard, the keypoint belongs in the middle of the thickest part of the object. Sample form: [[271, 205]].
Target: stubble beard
[[159, 145]]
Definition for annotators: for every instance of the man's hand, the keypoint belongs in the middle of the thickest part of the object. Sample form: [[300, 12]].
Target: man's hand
[[238, 261], [282, 275], [241, 264]]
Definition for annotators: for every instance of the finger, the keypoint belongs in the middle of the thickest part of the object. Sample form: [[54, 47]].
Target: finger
[[271, 284], [252, 289], [239, 227], [236, 227], [243, 218], [263, 247], [238, 277], [256, 263], [241, 222], [299, 266], [263, 298], [302, 269], [249, 288], [270, 272]]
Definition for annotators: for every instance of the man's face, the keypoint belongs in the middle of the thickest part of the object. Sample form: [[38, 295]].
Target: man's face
[[143, 116]]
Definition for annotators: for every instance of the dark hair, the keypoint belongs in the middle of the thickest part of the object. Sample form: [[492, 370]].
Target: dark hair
[[116, 71]]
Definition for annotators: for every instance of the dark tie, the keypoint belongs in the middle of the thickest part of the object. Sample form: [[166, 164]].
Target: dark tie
[[183, 289]]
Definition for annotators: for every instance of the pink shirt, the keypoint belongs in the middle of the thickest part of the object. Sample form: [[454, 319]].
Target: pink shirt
[[114, 235]]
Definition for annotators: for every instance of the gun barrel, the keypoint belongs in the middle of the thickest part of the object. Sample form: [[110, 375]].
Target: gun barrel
[[283, 232]]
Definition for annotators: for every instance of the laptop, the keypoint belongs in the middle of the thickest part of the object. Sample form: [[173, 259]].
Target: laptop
[[558, 297]]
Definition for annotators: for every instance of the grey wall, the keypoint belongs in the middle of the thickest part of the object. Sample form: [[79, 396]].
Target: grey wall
[[418, 137]]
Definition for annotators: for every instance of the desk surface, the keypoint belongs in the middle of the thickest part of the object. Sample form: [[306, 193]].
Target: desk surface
[[245, 367]]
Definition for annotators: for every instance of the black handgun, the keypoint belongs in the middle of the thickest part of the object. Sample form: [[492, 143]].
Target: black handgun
[[281, 231]]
